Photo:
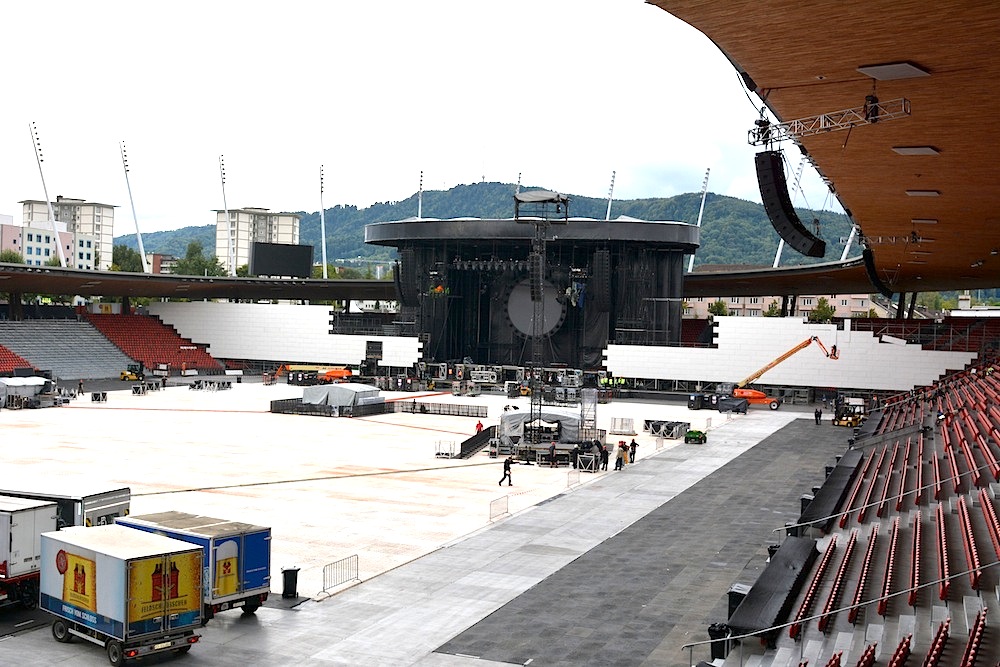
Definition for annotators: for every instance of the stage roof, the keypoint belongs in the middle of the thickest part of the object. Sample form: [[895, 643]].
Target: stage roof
[[934, 172]]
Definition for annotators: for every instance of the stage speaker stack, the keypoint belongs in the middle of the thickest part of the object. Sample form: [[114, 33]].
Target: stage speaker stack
[[406, 278], [600, 281], [774, 194], [535, 276]]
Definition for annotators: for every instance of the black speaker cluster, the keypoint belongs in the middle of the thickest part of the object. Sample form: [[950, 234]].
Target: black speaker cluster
[[599, 290], [774, 195]]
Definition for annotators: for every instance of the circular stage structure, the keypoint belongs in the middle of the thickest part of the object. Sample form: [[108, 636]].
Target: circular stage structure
[[466, 284]]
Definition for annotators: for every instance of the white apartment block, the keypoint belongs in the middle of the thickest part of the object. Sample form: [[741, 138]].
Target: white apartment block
[[846, 305], [90, 224], [247, 226]]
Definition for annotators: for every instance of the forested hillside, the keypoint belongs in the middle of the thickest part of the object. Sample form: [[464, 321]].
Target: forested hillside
[[734, 231]]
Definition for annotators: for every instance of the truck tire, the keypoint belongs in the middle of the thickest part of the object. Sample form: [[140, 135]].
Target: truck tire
[[251, 606], [28, 594], [773, 405], [116, 652], [60, 631]]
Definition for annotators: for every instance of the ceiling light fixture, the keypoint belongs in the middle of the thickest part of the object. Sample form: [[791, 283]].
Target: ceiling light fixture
[[923, 193], [916, 150], [924, 221], [893, 71]]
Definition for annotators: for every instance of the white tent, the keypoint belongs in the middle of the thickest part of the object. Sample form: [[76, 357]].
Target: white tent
[[22, 386], [512, 423]]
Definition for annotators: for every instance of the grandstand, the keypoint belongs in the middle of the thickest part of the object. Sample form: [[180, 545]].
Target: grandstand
[[148, 340], [71, 350], [905, 563]]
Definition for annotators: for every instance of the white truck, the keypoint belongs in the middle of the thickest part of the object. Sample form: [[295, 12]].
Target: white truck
[[132, 592], [78, 504], [22, 521]]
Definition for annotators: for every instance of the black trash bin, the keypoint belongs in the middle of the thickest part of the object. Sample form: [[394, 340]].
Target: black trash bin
[[719, 631], [290, 582]]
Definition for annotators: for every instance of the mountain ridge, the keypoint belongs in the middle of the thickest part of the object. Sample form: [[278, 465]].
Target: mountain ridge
[[733, 231]]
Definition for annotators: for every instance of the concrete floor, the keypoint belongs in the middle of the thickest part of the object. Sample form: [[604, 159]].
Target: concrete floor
[[371, 487]]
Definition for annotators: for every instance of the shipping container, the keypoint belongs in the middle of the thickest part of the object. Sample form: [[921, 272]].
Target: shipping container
[[134, 593], [80, 504], [237, 556], [22, 521]]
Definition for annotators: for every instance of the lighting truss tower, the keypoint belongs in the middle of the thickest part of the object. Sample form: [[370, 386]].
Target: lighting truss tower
[[873, 111], [541, 209]]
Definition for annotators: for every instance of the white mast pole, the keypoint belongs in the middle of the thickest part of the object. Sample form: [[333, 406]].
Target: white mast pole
[[701, 212], [611, 192], [229, 226], [850, 240], [420, 197], [322, 220], [52, 216], [138, 235], [517, 188]]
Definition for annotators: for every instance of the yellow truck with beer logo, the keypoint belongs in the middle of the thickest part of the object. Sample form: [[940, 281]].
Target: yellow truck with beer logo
[[237, 556], [133, 593]]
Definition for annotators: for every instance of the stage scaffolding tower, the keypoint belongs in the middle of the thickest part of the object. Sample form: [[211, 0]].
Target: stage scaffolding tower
[[540, 208]]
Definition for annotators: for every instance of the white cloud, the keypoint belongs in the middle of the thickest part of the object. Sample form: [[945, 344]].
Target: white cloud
[[561, 91]]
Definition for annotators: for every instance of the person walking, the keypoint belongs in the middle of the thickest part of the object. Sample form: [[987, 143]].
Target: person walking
[[620, 456], [552, 454], [79, 391], [479, 427], [604, 457], [819, 416], [631, 450], [506, 472]]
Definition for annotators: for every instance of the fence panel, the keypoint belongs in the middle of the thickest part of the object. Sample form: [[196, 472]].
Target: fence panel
[[340, 572]]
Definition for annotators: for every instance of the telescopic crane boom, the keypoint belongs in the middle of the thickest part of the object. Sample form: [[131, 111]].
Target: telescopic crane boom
[[830, 354]]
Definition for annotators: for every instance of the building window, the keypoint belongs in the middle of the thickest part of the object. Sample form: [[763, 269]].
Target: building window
[[81, 243], [843, 302], [88, 244], [88, 255], [48, 239], [29, 250], [734, 299], [47, 251], [81, 255], [754, 313], [755, 299], [807, 301], [31, 237]]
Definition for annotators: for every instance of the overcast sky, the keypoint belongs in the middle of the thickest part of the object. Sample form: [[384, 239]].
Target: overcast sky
[[561, 91]]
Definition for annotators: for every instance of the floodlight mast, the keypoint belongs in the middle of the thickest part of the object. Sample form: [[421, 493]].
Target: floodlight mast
[[701, 212], [48, 202], [229, 224], [322, 220], [611, 192], [138, 235]]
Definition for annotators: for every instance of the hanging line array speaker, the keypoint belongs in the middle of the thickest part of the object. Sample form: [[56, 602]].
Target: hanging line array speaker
[[599, 291], [774, 194], [406, 277], [876, 282], [535, 276]]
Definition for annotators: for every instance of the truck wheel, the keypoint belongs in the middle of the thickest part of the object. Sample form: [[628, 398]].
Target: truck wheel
[[773, 405], [116, 652], [61, 631], [251, 606], [29, 594]]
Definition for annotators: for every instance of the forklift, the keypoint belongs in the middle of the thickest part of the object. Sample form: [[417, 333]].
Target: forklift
[[134, 372]]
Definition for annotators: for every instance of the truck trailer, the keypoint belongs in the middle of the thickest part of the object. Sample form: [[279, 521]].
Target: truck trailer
[[78, 505], [22, 521], [237, 557], [131, 592]]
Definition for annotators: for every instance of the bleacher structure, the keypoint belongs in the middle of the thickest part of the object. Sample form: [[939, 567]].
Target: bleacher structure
[[902, 563], [70, 349], [148, 340], [9, 360]]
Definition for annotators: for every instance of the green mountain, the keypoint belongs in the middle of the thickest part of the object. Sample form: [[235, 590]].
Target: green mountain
[[733, 231]]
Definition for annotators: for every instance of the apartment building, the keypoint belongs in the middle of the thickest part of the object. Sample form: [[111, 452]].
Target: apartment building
[[247, 226], [89, 226], [846, 305]]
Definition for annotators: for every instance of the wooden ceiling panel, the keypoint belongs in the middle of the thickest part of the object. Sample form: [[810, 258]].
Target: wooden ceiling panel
[[804, 59]]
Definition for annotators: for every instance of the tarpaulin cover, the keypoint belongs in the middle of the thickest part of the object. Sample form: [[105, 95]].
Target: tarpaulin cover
[[341, 395], [512, 423]]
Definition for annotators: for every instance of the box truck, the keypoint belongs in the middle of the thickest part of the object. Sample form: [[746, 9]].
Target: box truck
[[134, 593], [22, 521], [237, 556], [79, 504]]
